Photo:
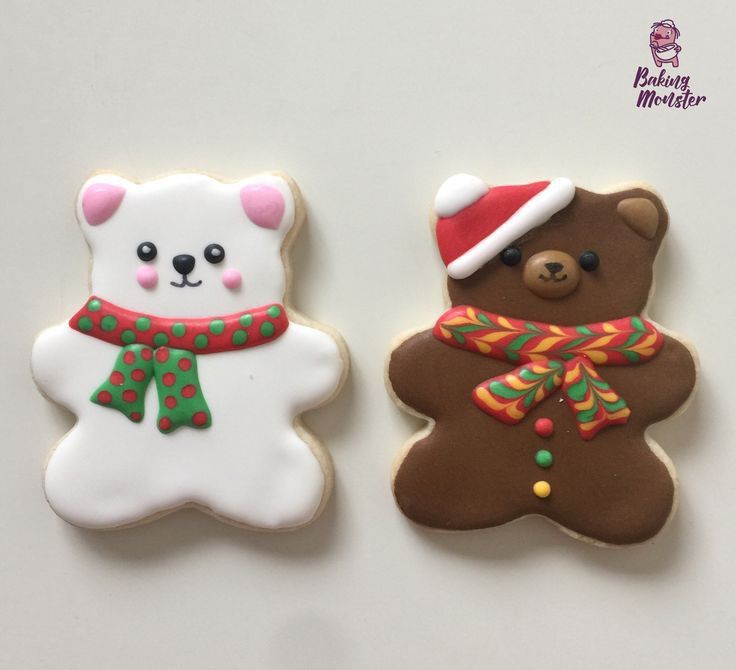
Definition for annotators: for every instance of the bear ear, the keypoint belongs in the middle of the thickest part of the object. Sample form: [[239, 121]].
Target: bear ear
[[268, 202], [641, 215], [100, 197]]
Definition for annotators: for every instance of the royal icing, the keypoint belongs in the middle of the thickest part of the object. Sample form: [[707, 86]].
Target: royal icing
[[541, 379], [475, 223], [551, 357], [187, 290]]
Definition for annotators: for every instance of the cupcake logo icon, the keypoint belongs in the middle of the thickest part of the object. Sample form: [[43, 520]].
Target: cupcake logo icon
[[663, 43]]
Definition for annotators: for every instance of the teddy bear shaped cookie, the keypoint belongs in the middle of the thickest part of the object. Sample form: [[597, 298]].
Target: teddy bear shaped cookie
[[540, 381], [185, 368]]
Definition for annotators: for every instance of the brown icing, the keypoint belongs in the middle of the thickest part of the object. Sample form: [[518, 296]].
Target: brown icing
[[473, 471], [551, 274], [641, 215]]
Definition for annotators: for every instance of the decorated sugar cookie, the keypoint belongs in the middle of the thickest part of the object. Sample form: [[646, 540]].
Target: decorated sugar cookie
[[542, 377], [185, 367]]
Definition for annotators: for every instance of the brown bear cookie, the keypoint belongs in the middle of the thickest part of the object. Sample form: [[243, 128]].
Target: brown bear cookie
[[542, 378]]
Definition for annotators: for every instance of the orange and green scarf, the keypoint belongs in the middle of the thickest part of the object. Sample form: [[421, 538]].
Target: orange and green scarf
[[551, 357], [166, 350]]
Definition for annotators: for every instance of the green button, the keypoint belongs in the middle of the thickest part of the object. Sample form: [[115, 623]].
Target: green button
[[543, 458], [94, 305]]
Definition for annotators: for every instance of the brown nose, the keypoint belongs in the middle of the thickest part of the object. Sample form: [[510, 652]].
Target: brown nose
[[551, 274]]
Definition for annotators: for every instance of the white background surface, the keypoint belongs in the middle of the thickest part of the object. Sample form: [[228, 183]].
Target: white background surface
[[369, 106]]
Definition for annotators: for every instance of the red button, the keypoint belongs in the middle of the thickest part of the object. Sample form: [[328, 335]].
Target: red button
[[544, 427]]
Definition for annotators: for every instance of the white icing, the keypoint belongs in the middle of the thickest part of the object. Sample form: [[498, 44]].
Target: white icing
[[535, 211], [457, 193], [250, 466], [182, 214]]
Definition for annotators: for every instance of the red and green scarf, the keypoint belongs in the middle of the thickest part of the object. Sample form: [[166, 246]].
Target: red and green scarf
[[166, 350], [551, 357]]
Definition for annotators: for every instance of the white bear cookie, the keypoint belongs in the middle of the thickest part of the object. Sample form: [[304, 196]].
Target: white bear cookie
[[187, 291]]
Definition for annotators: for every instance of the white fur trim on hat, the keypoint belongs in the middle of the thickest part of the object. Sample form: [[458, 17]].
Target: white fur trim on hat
[[457, 193], [534, 212]]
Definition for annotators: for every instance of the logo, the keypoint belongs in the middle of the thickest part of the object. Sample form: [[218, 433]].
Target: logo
[[664, 88], [663, 43]]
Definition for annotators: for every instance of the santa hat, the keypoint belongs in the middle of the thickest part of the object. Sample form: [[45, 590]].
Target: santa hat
[[476, 222]]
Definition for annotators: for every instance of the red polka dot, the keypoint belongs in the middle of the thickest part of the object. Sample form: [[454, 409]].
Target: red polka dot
[[129, 357], [146, 354], [104, 397], [164, 423], [162, 355], [185, 364], [189, 390], [138, 375], [170, 401], [199, 418], [129, 395], [136, 416], [544, 427], [169, 379], [117, 378]]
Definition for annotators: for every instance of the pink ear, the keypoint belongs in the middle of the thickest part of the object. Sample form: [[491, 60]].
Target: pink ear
[[100, 202], [264, 205]]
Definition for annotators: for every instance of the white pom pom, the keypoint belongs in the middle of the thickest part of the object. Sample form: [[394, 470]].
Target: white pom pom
[[457, 193]]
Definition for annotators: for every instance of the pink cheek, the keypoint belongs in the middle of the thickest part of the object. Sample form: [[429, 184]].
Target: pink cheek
[[232, 278], [147, 276]]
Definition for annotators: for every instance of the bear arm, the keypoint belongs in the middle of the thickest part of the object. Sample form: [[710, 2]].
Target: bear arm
[[418, 373], [318, 369], [669, 378], [407, 372], [54, 363]]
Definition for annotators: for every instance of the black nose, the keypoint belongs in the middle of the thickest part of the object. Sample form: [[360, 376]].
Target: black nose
[[553, 268], [183, 263]]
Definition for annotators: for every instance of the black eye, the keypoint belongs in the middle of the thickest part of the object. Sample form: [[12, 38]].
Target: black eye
[[589, 261], [214, 253], [147, 251], [511, 256]]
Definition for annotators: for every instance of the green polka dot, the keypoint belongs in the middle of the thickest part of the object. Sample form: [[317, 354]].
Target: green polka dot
[[240, 337], [543, 458], [267, 329], [109, 323], [274, 311], [94, 305], [160, 339], [128, 336], [85, 324], [143, 323], [179, 329], [201, 341], [246, 320], [217, 327]]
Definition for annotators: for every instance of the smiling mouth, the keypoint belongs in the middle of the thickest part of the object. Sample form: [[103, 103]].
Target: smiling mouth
[[553, 278], [185, 282]]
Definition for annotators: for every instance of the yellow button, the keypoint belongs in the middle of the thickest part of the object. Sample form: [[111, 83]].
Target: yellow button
[[542, 489]]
